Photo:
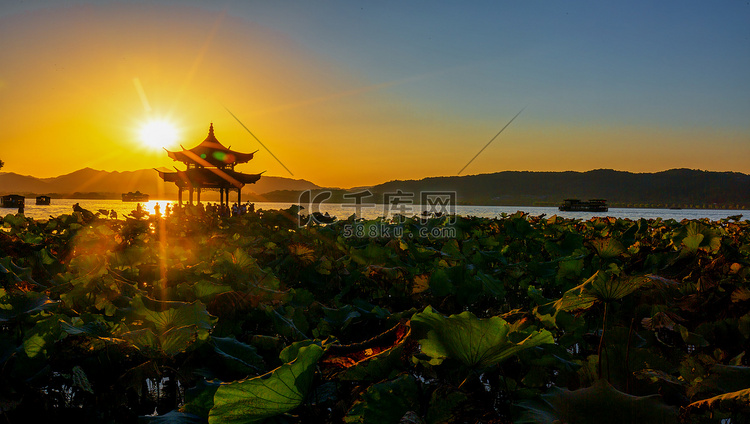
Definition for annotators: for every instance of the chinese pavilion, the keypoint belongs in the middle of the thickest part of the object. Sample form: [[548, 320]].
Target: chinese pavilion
[[210, 166]]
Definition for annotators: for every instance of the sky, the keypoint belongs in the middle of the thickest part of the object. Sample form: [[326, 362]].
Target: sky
[[352, 93]]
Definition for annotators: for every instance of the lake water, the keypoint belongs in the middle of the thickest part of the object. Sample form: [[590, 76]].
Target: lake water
[[65, 206]]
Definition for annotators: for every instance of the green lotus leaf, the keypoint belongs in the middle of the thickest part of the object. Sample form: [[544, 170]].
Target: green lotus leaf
[[277, 392], [237, 355], [600, 403], [386, 402], [697, 236], [169, 327], [610, 289], [608, 248], [600, 287], [472, 341], [726, 378], [13, 306], [12, 273]]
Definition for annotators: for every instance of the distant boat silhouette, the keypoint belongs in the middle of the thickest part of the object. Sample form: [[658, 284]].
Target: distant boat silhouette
[[576, 205], [12, 201], [134, 197]]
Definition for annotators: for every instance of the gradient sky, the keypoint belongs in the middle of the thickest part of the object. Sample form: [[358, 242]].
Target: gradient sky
[[350, 93]]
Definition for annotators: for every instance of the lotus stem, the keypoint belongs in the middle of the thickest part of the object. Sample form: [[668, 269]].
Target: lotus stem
[[601, 343]]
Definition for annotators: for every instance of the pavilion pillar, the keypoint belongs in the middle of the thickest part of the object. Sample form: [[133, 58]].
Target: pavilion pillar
[[190, 195], [221, 196], [198, 190], [179, 195], [239, 195]]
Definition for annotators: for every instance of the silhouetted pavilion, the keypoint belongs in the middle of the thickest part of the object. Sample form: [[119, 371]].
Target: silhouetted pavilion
[[210, 166]]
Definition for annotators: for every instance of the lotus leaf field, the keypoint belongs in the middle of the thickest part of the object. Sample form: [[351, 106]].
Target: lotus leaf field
[[250, 319]]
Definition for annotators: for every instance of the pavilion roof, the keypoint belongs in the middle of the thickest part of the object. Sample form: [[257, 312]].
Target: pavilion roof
[[210, 153], [208, 178]]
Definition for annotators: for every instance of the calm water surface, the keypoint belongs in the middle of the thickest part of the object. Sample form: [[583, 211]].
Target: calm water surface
[[65, 206]]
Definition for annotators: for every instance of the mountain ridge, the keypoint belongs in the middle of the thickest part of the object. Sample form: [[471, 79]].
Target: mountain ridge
[[113, 183], [679, 187]]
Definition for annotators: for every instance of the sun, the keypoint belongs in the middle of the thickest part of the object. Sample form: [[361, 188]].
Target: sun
[[158, 134]]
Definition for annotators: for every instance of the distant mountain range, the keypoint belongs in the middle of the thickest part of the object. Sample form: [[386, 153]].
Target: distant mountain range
[[89, 182], [673, 188], [679, 188]]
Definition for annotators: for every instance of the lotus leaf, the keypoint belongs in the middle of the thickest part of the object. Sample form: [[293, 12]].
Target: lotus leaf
[[15, 305], [472, 341], [386, 402], [275, 393], [608, 248], [599, 287], [170, 330], [732, 401], [237, 355], [600, 403]]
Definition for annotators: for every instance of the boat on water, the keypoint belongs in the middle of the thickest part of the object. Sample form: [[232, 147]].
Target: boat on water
[[42, 200], [12, 201], [577, 205], [134, 197]]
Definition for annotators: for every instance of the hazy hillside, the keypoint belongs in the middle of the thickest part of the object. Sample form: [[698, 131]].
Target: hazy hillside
[[683, 187], [676, 187], [89, 180]]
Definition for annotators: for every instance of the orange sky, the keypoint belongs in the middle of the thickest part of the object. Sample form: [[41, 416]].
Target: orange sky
[[69, 99]]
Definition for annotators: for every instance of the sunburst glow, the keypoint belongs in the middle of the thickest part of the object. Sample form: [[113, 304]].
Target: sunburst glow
[[158, 134]]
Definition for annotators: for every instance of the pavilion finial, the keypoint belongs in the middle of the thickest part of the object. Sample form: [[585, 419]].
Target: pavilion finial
[[211, 130]]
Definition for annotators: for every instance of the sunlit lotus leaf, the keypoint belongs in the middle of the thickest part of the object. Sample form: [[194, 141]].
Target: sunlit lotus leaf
[[34, 345], [278, 392], [304, 254], [372, 360], [600, 287], [615, 288], [206, 290], [386, 402], [472, 341], [44, 334], [420, 284], [738, 401], [600, 403], [740, 294], [577, 298], [171, 330], [166, 315], [697, 236], [608, 248], [14, 221]]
